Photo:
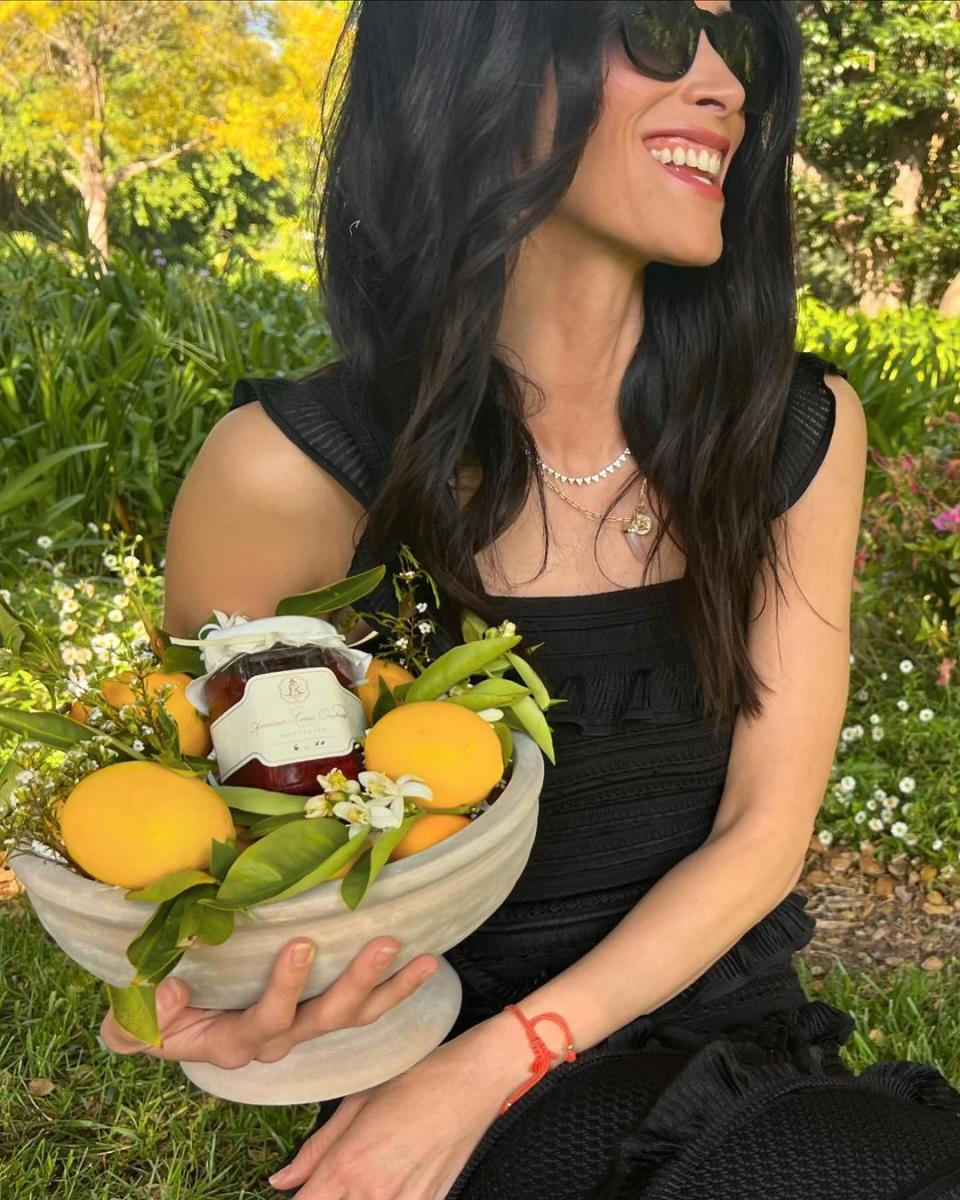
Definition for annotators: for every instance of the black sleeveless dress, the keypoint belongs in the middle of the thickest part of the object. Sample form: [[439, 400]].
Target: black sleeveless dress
[[662, 1108]]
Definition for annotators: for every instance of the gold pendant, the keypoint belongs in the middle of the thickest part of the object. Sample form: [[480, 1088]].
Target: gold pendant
[[640, 523]]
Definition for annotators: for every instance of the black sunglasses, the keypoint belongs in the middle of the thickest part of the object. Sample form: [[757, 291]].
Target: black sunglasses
[[661, 38]]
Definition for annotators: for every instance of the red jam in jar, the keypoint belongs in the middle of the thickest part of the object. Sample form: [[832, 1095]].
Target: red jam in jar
[[282, 716]]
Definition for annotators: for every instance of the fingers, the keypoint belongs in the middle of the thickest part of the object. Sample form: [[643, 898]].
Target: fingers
[[358, 997], [301, 1167], [171, 998], [274, 1012]]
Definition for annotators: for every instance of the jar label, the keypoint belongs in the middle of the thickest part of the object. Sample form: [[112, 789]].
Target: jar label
[[288, 717]]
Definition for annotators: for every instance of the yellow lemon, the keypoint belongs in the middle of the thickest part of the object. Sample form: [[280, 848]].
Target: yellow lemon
[[392, 674], [193, 728], [427, 831], [132, 822], [455, 751]]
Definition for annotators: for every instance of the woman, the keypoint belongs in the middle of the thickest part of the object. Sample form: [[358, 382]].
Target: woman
[[558, 261]]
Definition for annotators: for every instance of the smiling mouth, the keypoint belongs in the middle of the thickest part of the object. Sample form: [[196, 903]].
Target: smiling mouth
[[689, 162]]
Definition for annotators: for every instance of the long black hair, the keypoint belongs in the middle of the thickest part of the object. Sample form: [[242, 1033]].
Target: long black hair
[[430, 180]]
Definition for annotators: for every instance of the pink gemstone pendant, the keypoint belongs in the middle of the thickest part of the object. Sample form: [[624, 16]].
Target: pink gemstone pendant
[[639, 527]]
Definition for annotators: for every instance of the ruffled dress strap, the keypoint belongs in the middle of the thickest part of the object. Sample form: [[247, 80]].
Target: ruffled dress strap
[[806, 429], [326, 415]]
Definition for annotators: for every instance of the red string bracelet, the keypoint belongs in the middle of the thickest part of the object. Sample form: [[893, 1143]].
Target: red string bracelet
[[542, 1054]]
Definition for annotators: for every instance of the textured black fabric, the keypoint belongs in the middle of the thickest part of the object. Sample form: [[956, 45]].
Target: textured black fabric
[[637, 782]]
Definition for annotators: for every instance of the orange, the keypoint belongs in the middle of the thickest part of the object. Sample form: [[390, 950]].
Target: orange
[[453, 749], [130, 823], [391, 673], [427, 831], [192, 727]]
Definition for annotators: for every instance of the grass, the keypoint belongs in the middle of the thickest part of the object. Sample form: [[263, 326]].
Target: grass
[[133, 1128]]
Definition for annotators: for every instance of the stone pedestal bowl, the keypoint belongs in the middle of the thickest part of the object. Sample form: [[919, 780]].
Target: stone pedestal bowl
[[428, 902]]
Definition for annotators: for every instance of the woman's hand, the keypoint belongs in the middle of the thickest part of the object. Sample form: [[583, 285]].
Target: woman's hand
[[269, 1029], [410, 1137]]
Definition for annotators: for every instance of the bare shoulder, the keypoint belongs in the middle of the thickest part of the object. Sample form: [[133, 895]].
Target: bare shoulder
[[255, 519]]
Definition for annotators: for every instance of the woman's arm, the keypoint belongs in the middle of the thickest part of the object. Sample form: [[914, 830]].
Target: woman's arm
[[255, 520], [778, 770]]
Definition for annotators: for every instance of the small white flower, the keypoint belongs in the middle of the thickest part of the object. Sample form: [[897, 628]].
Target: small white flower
[[425, 627], [911, 839], [936, 844], [903, 705], [25, 777], [891, 802], [907, 784], [68, 628], [337, 782], [853, 659], [860, 817], [906, 808], [148, 730], [129, 580], [825, 837], [863, 694], [884, 676], [879, 794], [317, 806], [120, 600], [422, 607], [137, 745], [44, 542], [111, 562], [877, 733], [875, 824], [874, 718], [906, 666], [847, 784], [848, 734], [899, 829], [858, 731], [872, 805], [385, 790], [925, 714], [115, 615], [401, 643], [131, 562], [69, 606]]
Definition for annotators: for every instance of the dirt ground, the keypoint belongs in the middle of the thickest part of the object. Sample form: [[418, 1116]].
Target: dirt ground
[[872, 914]]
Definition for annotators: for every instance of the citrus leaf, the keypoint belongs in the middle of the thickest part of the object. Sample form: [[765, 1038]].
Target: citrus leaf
[[135, 1010], [168, 886], [276, 862], [328, 599], [260, 801], [365, 870]]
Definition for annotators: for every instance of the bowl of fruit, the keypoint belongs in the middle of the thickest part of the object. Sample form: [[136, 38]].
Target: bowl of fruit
[[343, 797]]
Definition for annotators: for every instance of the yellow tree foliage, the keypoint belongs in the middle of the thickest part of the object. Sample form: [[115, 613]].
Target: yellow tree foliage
[[100, 93]]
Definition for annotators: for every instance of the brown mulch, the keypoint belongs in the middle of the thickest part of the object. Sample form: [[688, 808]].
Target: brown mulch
[[869, 914], [874, 915]]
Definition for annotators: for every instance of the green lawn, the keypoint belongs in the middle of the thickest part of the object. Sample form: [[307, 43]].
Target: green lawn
[[120, 1128]]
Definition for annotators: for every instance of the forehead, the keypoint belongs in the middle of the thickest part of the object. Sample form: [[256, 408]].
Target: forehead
[[717, 6]]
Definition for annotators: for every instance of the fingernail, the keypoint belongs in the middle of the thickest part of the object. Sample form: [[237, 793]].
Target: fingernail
[[277, 1177], [384, 955], [303, 953]]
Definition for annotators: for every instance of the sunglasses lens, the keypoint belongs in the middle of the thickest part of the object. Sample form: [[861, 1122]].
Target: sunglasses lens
[[660, 38]]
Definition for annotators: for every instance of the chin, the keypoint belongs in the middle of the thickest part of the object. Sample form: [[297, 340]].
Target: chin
[[704, 255]]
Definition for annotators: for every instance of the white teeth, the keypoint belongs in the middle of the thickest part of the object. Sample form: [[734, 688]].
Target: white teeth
[[681, 156]]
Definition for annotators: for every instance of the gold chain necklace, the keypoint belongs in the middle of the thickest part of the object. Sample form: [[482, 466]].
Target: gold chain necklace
[[635, 526]]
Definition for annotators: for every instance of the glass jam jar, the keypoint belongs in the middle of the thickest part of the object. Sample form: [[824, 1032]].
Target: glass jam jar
[[283, 715]]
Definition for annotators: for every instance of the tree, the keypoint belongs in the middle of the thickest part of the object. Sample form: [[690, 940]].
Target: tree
[[98, 94], [878, 168]]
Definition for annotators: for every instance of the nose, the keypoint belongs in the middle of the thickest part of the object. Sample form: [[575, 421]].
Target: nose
[[710, 80]]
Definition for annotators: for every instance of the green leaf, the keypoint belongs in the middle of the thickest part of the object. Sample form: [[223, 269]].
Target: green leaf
[[385, 701], [154, 951], [365, 870], [491, 693], [276, 862], [135, 1010], [473, 627], [456, 665], [261, 828], [199, 923], [532, 720], [533, 681], [260, 801], [168, 886], [20, 488], [337, 595], [222, 855], [182, 659], [52, 729], [338, 859], [503, 732]]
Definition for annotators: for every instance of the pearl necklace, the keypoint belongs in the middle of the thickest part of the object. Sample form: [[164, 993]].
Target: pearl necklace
[[580, 480]]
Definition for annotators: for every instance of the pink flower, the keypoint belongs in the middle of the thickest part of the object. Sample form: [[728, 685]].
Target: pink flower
[[947, 520], [946, 666]]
